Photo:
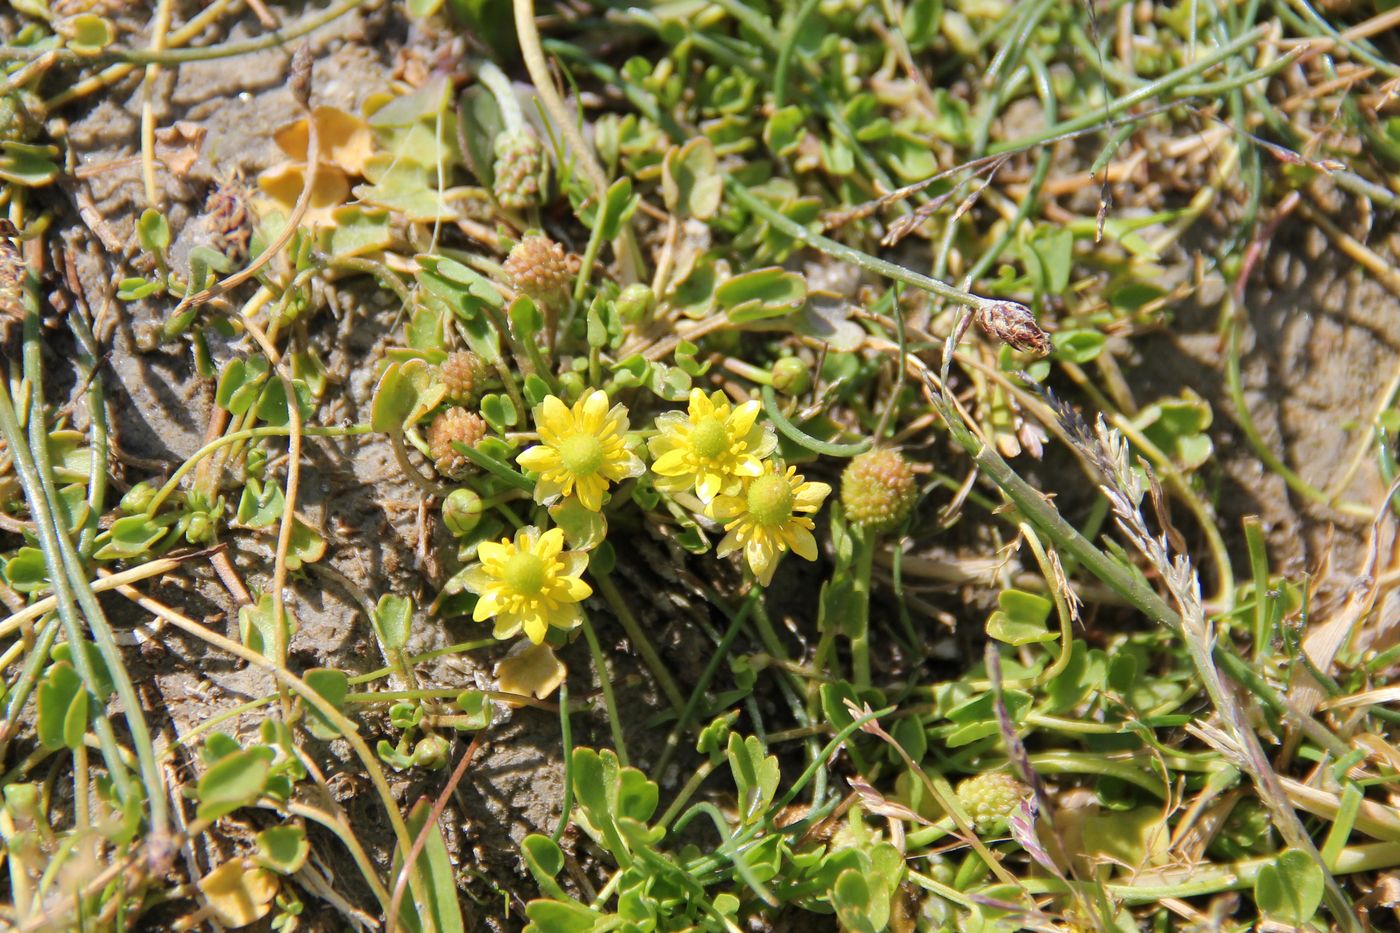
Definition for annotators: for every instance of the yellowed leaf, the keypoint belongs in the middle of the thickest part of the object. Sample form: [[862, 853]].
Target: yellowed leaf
[[530, 670], [283, 183], [238, 892], [345, 140]]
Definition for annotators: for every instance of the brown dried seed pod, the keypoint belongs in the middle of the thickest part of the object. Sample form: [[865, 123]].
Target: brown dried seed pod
[[462, 376], [538, 267], [454, 424], [1013, 324]]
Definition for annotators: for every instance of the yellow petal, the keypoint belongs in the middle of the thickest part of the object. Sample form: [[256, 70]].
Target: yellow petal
[[700, 406], [741, 420], [761, 557], [554, 416], [539, 458], [729, 544], [477, 579], [574, 590], [575, 562], [809, 496], [709, 486], [486, 607], [671, 463], [723, 508], [590, 492], [550, 543], [535, 627], [591, 410], [801, 542], [491, 552]]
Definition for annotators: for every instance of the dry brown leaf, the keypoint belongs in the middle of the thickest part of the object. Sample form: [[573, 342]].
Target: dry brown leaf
[[179, 145]]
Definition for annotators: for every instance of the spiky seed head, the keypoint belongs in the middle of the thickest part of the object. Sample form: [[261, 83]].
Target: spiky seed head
[[878, 490], [518, 168], [990, 799], [538, 267], [1013, 324], [454, 424], [462, 375]]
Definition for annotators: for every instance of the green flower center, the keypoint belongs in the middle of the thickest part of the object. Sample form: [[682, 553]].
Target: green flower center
[[581, 454], [524, 574], [710, 438], [770, 500]]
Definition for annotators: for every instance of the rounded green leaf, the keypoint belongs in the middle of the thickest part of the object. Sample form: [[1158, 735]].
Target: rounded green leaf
[[283, 848], [1290, 889], [233, 781]]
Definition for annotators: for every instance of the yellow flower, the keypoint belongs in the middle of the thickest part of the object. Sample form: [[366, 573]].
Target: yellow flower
[[767, 519], [581, 450], [530, 583], [714, 447]]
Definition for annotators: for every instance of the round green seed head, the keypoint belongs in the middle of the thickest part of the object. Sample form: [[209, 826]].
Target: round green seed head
[[770, 499], [878, 490], [524, 573], [710, 438], [581, 454], [990, 799]]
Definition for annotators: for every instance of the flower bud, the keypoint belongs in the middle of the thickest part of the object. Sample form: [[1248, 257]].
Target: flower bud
[[430, 752], [1012, 324], [990, 799], [538, 267], [200, 528], [138, 498], [518, 168], [878, 490], [461, 512], [571, 386], [462, 374], [791, 376], [454, 425], [635, 303]]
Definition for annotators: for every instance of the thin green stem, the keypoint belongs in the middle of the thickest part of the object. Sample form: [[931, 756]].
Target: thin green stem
[[600, 665]]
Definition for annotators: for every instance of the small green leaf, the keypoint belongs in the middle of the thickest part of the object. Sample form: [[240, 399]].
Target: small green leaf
[[88, 33], [393, 619], [233, 781], [240, 383], [1289, 890], [476, 708], [690, 180], [307, 545], [756, 775], [1078, 346], [260, 504], [27, 571], [282, 848], [784, 130], [618, 207], [406, 392], [62, 708], [583, 529], [1021, 618], [153, 231], [332, 685], [128, 537], [761, 293], [27, 165]]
